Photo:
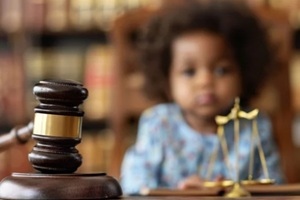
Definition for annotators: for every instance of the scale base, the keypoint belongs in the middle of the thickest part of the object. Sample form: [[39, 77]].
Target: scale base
[[59, 186], [237, 191]]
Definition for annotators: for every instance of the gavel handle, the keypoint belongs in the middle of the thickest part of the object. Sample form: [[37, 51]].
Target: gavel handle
[[16, 135]]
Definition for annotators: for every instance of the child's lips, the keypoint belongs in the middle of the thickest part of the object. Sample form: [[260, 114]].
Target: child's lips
[[205, 99]]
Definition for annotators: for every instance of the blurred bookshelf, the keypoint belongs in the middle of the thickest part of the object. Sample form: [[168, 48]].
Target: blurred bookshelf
[[59, 39], [88, 41]]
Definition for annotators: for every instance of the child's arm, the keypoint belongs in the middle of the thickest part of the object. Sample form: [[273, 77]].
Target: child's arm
[[141, 163]]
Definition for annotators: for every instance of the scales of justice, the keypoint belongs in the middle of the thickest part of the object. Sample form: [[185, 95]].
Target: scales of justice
[[57, 130], [237, 185]]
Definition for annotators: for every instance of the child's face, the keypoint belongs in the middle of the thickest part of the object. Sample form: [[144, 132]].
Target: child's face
[[204, 77]]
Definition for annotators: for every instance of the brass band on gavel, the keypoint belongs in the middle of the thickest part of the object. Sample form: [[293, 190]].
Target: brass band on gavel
[[57, 125]]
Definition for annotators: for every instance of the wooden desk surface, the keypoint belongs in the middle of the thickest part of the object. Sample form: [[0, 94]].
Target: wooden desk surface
[[210, 198], [263, 192]]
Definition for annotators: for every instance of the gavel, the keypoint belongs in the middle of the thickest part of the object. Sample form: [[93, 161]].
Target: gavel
[[57, 130], [18, 135]]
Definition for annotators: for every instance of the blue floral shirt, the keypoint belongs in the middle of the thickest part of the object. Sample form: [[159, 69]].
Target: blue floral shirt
[[167, 151]]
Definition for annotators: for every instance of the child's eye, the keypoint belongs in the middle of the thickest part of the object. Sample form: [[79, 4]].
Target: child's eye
[[221, 70], [189, 72]]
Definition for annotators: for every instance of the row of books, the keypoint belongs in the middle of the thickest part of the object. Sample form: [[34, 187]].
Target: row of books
[[12, 83], [96, 150], [92, 68], [62, 15]]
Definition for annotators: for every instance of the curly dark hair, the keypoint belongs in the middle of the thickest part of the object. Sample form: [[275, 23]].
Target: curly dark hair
[[235, 22]]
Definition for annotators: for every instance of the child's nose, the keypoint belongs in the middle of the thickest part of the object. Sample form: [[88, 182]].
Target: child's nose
[[204, 78]]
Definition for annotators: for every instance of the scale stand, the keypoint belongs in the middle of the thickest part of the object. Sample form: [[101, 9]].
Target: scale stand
[[237, 189]]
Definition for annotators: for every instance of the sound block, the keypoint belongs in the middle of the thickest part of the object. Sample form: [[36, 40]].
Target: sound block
[[59, 186]]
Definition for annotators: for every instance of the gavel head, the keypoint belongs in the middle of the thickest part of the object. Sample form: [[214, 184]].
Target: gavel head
[[57, 126]]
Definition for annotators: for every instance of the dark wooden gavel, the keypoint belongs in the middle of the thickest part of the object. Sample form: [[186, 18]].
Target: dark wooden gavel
[[56, 130], [18, 135]]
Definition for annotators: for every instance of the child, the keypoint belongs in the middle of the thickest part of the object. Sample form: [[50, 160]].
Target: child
[[197, 58]]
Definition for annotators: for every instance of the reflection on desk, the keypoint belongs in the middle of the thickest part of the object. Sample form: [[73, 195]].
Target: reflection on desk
[[286, 190], [210, 198]]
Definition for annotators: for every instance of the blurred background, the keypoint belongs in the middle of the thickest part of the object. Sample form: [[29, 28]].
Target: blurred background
[[93, 42]]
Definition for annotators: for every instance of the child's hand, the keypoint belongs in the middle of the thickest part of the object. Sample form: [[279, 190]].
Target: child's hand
[[193, 182]]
